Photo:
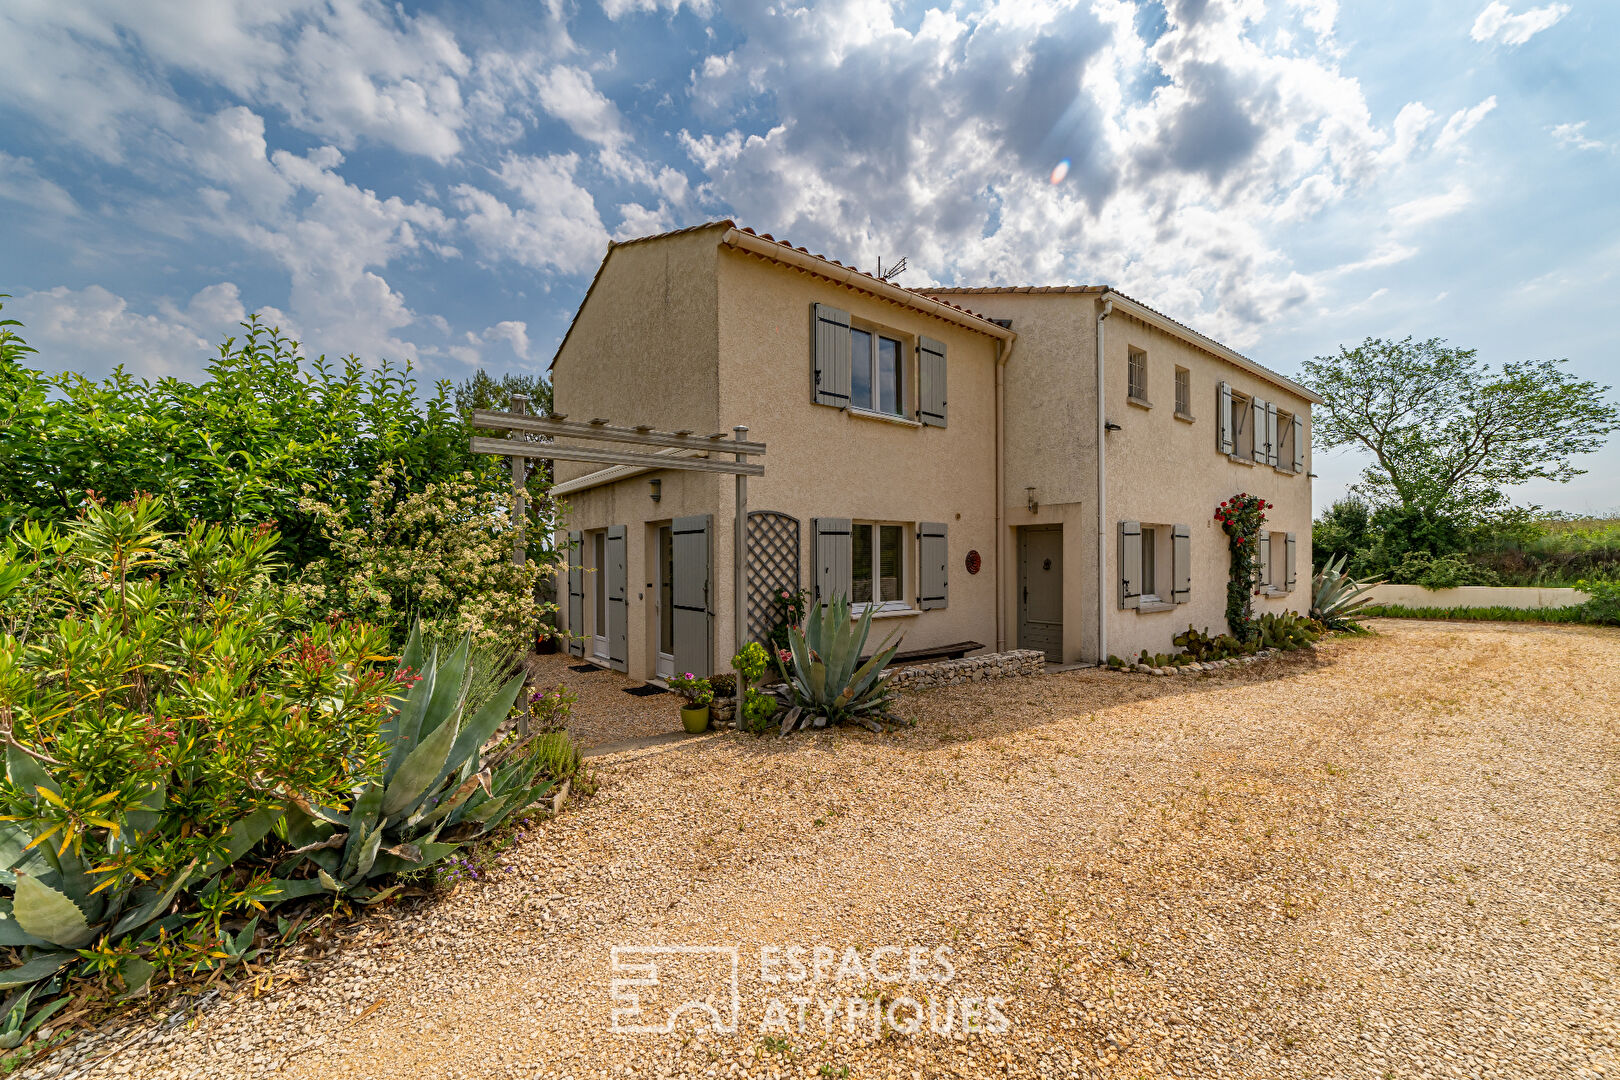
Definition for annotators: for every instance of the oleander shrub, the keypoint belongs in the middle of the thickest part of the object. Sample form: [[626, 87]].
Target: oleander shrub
[[163, 701]]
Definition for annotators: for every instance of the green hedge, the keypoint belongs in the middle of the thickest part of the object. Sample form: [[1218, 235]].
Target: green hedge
[[1574, 614]]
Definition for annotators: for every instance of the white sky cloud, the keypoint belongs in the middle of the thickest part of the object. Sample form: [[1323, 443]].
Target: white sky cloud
[[1462, 122], [1574, 136], [1498, 23]]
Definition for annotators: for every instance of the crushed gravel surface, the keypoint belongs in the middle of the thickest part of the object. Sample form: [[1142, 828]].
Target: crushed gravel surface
[[1396, 857]]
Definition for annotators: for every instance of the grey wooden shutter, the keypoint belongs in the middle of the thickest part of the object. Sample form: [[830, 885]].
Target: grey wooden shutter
[[618, 599], [576, 593], [933, 555], [1181, 563], [689, 558], [931, 382], [1299, 443], [1130, 564], [1273, 444], [831, 353], [1288, 565], [832, 556], [1223, 418], [1262, 555]]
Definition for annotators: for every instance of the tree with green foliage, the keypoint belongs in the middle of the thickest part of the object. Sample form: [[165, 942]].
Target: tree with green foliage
[[263, 430], [484, 391], [1448, 435]]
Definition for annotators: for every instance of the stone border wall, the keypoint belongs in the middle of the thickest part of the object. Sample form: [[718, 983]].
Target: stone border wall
[[969, 669]]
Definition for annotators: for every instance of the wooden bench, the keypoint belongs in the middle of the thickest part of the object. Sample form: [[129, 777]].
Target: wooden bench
[[938, 652]]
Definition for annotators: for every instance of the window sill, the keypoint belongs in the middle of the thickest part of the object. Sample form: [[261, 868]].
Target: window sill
[[887, 418], [1185, 418], [1236, 460], [1140, 403], [893, 609], [1153, 605], [1285, 472], [1273, 592]]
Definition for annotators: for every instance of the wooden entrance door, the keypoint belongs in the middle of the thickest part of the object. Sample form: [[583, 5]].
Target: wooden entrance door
[[1040, 590]]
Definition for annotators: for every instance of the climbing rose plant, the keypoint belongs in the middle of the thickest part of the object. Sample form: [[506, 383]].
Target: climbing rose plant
[[1242, 517]]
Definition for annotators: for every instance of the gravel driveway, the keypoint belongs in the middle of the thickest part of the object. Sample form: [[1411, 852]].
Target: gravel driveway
[[1394, 858]]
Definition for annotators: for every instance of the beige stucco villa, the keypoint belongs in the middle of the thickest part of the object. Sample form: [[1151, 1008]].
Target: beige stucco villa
[[935, 463]]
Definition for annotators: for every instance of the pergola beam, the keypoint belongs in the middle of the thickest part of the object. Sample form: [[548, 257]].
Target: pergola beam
[[557, 452], [605, 432]]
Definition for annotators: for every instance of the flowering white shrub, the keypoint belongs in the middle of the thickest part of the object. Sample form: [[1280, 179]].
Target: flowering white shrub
[[443, 555]]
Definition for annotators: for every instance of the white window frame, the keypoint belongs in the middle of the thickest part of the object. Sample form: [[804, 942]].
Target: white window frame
[[900, 605], [902, 408]]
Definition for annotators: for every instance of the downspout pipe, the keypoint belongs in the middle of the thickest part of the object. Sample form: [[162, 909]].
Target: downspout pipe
[[1102, 492]]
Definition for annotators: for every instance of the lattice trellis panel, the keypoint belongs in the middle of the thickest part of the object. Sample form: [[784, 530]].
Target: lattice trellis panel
[[773, 565]]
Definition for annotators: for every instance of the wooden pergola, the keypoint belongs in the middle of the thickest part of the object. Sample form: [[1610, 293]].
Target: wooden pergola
[[526, 437]]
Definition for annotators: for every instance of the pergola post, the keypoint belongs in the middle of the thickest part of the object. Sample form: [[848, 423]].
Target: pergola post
[[740, 568], [520, 480]]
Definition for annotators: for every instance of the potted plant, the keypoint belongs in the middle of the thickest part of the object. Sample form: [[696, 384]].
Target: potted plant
[[695, 691]]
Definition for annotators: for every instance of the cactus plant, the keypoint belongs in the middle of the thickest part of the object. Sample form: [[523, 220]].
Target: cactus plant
[[827, 677], [437, 792]]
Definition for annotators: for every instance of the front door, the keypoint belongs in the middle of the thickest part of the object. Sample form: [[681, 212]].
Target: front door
[[1040, 590]]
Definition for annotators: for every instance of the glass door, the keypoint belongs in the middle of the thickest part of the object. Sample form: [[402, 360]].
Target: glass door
[[666, 603]]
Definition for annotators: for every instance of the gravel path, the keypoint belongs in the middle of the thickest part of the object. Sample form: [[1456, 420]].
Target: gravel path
[[1395, 858]]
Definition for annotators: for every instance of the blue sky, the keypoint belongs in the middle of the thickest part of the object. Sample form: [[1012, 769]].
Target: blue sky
[[439, 181]]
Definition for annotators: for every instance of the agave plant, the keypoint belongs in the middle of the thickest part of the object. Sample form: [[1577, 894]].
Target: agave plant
[[1336, 597], [827, 677], [438, 790]]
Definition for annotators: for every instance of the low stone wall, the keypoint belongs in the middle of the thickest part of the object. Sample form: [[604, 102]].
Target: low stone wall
[[969, 669], [1525, 597]]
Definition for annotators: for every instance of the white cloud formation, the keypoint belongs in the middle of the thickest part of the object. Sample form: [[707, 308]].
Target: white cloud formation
[[350, 71], [1431, 207], [79, 329], [569, 94], [618, 9], [1462, 122], [1498, 23], [556, 228], [1190, 156], [21, 182], [1574, 137]]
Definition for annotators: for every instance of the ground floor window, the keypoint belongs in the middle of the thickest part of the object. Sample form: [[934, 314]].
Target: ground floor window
[[1150, 590], [599, 591], [877, 563]]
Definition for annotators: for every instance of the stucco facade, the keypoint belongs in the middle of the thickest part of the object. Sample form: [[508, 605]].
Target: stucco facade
[[713, 327], [754, 367], [1163, 468]]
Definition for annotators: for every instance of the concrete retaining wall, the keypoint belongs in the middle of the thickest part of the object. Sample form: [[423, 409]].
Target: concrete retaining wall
[[1416, 596]]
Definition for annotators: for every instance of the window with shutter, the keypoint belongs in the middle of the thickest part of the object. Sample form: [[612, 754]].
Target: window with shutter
[[1225, 437], [690, 543], [1181, 560], [1130, 564], [830, 352], [618, 599], [933, 557], [831, 556], [1262, 558], [1299, 444], [931, 382], [1273, 449], [576, 592]]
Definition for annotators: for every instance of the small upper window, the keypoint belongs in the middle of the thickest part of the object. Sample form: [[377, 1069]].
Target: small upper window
[[1183, 391], [1285, 441], [1137, 374], [875, 365]]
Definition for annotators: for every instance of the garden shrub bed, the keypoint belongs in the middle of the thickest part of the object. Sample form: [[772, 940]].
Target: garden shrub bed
[[1574, 614]]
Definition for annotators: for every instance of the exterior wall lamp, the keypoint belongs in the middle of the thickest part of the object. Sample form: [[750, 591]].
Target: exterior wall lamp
[[657, 486], [1034, 503]]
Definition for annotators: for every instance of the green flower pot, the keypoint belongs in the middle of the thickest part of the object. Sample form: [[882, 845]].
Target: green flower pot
[[695, 719]]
